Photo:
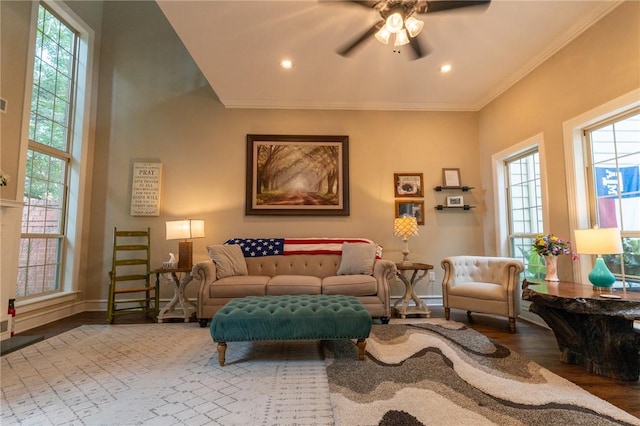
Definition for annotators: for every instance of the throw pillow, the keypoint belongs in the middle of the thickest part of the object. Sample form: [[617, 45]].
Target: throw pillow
[[228, 259], [357, 258]]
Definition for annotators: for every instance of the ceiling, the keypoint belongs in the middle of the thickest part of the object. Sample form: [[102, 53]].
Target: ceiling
[[238, 46]]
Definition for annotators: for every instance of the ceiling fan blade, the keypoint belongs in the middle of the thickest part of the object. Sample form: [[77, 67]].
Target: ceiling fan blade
[[418, 50], [365, 3], [441, 5], [346, 51]]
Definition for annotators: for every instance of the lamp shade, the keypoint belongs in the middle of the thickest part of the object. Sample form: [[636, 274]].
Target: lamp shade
[[394, 22], [401, 38], [406, 226], [383, 35], [598, 241], [413, 26], [184, 229]]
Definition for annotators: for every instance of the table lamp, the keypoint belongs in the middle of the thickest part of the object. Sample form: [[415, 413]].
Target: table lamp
[[405, 227], [599, 241], [182, 230]]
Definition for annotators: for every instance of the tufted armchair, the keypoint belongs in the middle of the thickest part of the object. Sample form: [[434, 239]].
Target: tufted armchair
[[489, 285]]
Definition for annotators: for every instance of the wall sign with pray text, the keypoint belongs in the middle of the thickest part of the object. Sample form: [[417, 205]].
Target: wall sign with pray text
[[145, 189]]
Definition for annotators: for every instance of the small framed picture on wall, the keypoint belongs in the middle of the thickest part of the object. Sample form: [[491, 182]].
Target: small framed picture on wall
[[410, 208], [408, 184], [451, 177], [455, 201]]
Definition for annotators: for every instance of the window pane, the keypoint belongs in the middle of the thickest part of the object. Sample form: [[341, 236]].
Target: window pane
[[39, 265], [615, 161], [525, 210], [48, 156]]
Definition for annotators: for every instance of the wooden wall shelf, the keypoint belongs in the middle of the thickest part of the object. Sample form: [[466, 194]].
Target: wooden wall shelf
[[465, 207], [453, 188]]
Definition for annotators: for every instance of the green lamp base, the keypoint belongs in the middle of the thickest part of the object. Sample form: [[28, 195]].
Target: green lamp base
[[600, 276]]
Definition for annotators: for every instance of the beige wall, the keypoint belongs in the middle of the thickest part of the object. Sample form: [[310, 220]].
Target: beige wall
[[600, 65], [14, 42], [154, 105]]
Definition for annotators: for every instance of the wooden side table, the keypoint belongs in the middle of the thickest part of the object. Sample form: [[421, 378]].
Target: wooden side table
[[419, 271], [593, 327], [187, 309]]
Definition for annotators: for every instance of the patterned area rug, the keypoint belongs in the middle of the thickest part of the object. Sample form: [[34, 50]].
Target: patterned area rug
[[433, 373], [162, 374], [443, 373]]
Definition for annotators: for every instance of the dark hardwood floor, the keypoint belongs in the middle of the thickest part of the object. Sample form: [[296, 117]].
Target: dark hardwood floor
[[536, 343]]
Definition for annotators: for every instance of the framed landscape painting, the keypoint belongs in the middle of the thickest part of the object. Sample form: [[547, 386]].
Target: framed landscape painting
[[300, 175]]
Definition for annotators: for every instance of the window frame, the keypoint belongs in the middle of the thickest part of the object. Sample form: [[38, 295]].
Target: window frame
[[576, 163], [81, 140], [591, 179], [512, 237], [500, 202], [501, 217], [61, 154]]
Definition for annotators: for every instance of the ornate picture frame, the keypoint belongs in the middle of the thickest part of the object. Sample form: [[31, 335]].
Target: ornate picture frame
[[408, 184], [297, 175]]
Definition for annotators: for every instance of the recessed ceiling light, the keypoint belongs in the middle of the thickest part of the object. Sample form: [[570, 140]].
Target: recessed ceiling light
[[445, 68], [286, 64]]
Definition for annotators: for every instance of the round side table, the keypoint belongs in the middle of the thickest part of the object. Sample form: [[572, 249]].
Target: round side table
[[418, 271], [186, 309]]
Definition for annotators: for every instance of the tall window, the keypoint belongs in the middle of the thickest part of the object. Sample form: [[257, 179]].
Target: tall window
[[613, 148], [48, 156], [524, 200]]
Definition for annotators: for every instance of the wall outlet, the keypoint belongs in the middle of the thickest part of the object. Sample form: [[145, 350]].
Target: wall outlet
[[432, 275]]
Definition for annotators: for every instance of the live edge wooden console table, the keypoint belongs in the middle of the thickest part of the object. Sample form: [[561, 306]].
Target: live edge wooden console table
[[591, 328]]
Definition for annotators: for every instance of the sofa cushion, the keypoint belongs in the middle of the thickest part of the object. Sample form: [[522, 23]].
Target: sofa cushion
[[350, 285], [479, 290], [294, 284], [228, 259], [239, 286], [357, 258]]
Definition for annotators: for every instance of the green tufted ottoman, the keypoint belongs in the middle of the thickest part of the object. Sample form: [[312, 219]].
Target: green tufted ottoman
[[297, 317]]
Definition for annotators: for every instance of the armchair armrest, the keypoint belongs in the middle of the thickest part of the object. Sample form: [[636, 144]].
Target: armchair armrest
[[205, 272], [384, 271]]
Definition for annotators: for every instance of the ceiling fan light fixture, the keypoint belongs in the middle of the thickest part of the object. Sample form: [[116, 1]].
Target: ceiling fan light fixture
[[401, 38], [383, 35], [413, 26], [395, 22]]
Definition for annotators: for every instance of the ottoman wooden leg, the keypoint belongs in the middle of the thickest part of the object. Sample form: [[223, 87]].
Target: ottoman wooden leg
[[361, 344], [222, 347]]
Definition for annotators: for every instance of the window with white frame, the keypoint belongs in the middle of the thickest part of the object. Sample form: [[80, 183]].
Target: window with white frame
[[56, 134], [524, 205], [520, 200], [613, 173]]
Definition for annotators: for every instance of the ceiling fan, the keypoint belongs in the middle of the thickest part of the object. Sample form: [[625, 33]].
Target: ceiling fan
[[398, 20]]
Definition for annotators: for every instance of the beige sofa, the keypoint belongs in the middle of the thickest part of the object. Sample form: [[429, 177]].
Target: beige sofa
[[489, 285], [293, 274]]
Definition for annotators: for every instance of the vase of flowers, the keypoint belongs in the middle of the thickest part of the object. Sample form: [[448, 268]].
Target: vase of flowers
[[550, 247]]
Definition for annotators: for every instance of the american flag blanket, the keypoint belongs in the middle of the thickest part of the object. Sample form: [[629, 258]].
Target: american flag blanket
[[254, 247]]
